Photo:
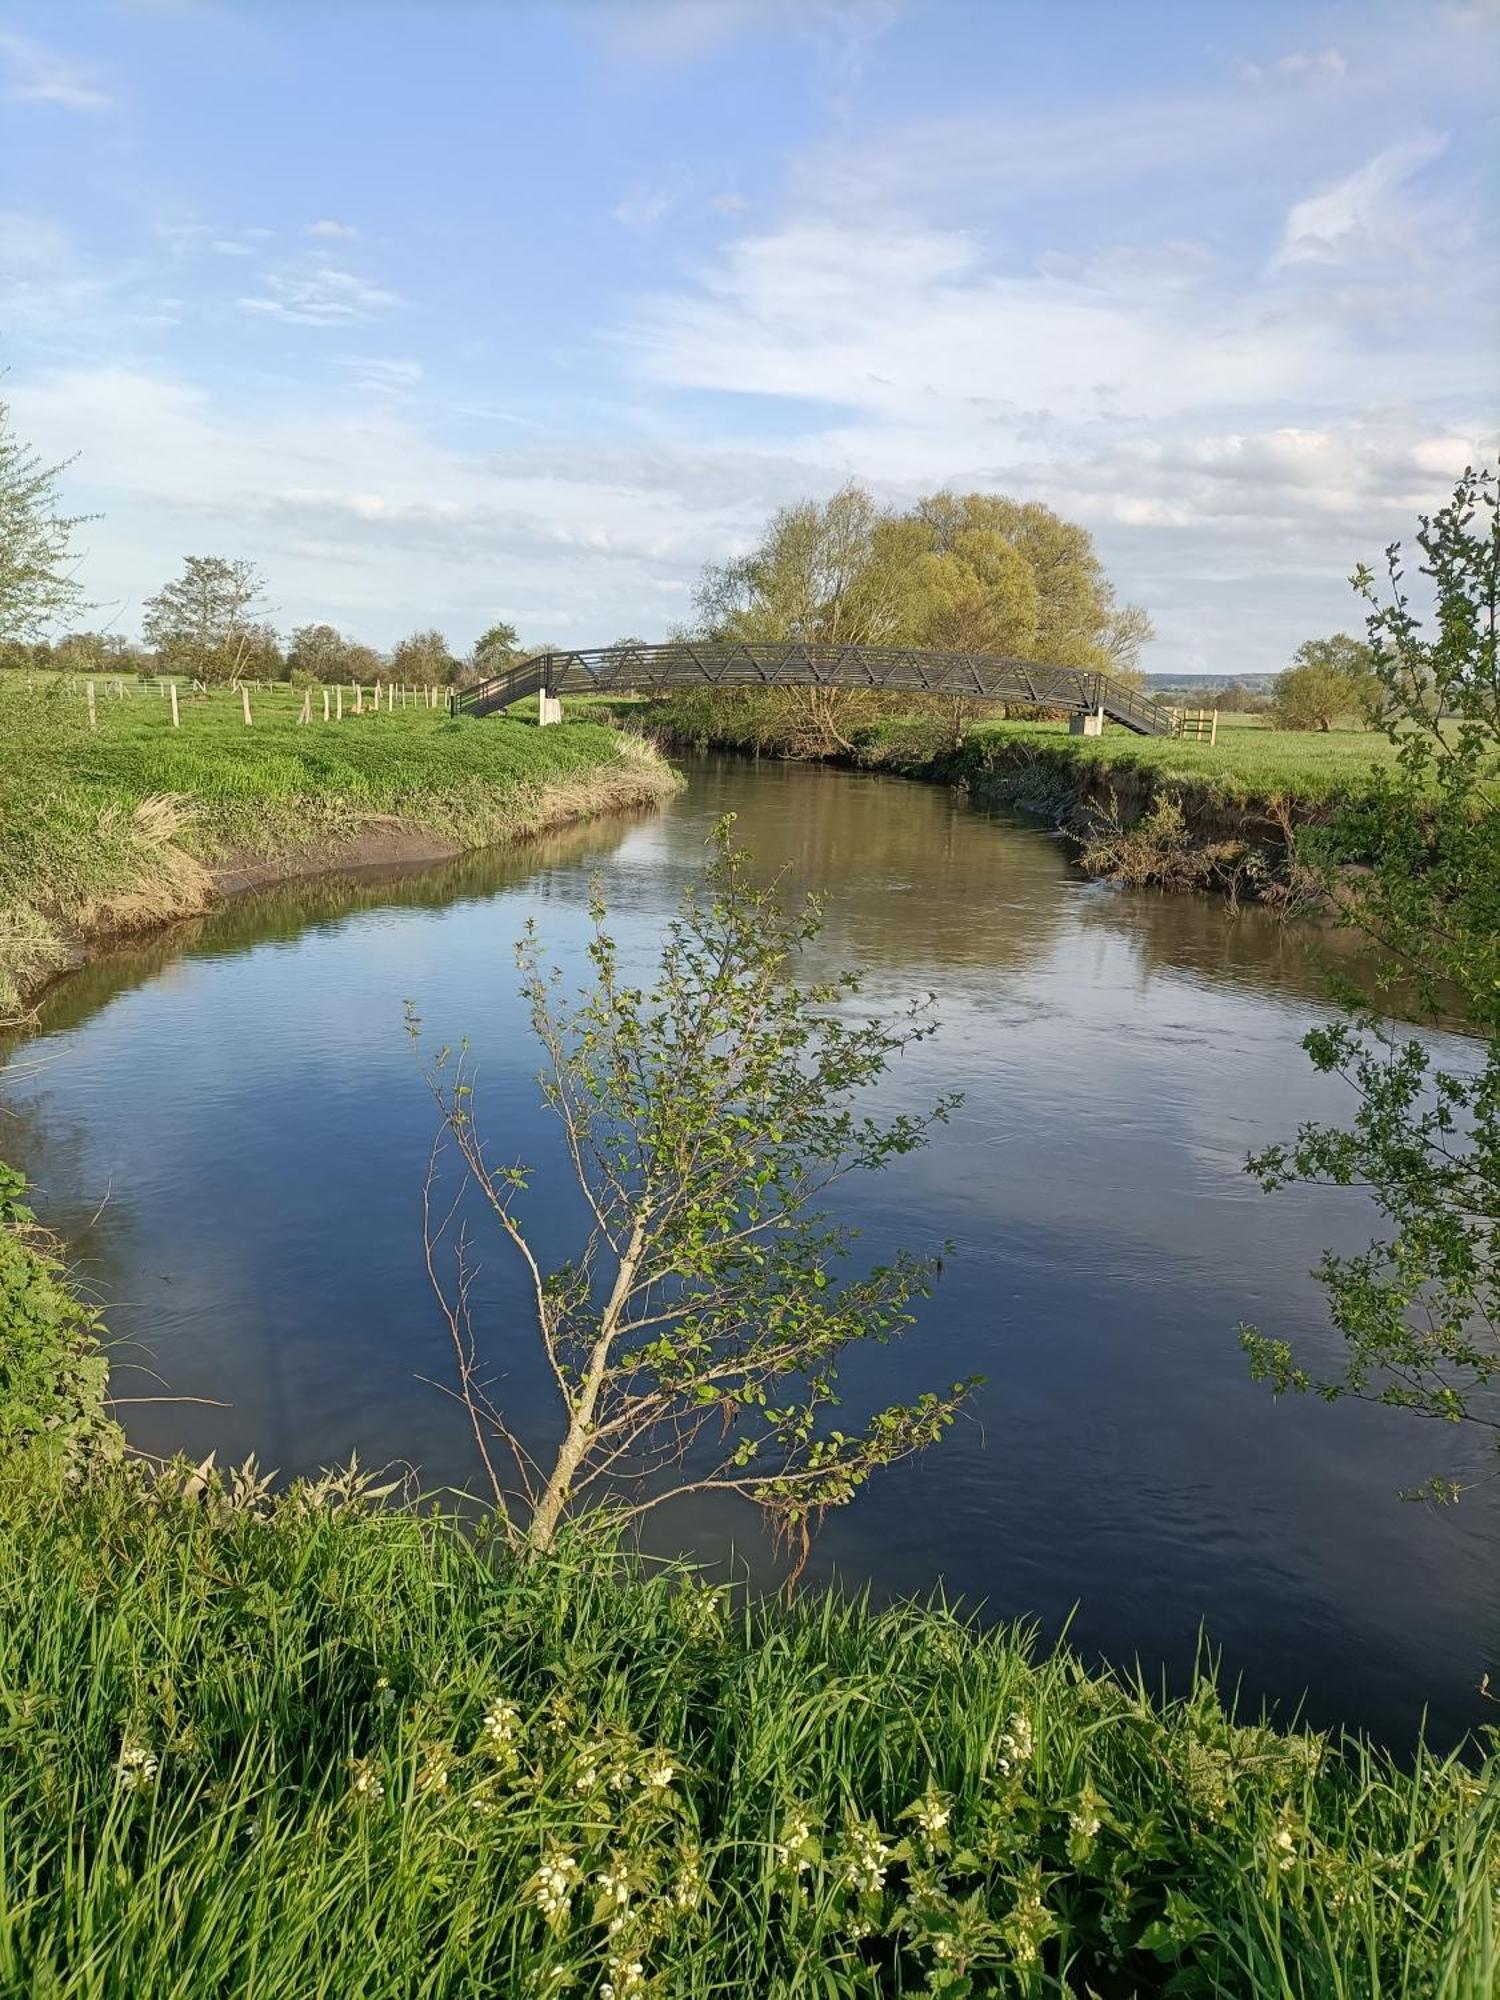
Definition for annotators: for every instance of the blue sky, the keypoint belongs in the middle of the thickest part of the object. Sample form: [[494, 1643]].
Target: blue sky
[[449, 313]]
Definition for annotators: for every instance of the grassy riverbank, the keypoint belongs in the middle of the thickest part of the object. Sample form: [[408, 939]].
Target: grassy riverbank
[[1144, 810], [317, 1746], [136, 823]]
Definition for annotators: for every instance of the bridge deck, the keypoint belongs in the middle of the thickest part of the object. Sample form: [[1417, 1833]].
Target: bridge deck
[[792, 663]]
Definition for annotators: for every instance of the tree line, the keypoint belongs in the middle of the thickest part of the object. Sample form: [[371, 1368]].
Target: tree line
[[969, 572]]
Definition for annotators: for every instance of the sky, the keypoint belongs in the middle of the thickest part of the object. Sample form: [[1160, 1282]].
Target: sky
[[443, 314]]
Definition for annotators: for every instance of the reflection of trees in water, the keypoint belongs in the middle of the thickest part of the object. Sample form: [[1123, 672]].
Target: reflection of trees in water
[[912, 875], [1252, 946], [282, 913]]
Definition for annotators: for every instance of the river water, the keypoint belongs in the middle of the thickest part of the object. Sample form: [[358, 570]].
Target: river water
[[229, 1127]]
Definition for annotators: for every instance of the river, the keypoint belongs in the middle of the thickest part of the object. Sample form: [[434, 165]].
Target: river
[[228, 1126]]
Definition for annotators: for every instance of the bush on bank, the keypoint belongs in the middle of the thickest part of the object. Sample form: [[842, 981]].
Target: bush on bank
[[316, 1744]]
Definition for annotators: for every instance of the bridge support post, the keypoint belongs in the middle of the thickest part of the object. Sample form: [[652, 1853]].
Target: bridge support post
[[1087, 723], [549, 708]]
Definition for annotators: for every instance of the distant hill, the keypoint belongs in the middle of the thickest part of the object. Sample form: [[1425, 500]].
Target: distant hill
[[1178, 683]]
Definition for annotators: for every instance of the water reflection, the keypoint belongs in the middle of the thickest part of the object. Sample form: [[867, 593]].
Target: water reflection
[[243, 1095]]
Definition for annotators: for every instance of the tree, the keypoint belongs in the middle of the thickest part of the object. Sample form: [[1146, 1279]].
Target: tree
[[319, 653], [693, 1344], [1414, 864], [204, 622], [496, 649], [1077, 621], [423, 659], [1328, 678], [38, 584], [834, 572]]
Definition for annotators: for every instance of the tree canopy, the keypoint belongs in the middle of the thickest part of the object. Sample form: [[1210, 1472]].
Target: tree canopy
[[37, 581], [975, 571], [1328, 678], [205, 622]]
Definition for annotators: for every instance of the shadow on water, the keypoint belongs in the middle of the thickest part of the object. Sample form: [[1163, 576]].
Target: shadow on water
[[228, 1125]]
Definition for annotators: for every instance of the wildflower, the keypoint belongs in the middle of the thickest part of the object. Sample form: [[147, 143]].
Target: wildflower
[[865, 1859], [614, 1885], [1086, 1817], [588, 1776], [1015, 1743], [551, 1887], [931, 1812], [687, 1883], [432, 1776], [137, 1766], [366, 1787], [1284, 1842], [659, 1775], [626, 1975], [383, 1689], [499, 1729], [790, 1852]]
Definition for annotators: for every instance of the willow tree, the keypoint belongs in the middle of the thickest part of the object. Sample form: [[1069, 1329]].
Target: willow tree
[[693, 1342]]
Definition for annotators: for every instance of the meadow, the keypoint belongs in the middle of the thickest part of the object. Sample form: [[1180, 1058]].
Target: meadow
[[308, 1745], [127, 824]]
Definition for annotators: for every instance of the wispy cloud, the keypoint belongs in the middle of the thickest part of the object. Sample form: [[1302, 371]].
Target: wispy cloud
[[320, 296], [1354, 218], [1299, 66], [328, 227], [39, 75]]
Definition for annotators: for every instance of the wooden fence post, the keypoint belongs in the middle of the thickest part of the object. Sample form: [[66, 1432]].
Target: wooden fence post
[[306, 715], [245, 703], [377, 697], [359, 699], [89, 697], [176, 719], [338, 703], [325, 704]]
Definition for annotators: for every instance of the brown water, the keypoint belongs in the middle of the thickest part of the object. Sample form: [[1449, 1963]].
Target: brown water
[[229, 1127]]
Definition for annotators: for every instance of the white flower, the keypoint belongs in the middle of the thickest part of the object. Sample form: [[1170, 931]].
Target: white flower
[[137, 1766], [626, 1975], [551, 1887], [931, 1815], [864, 1862], [501, 1726], [659, 1776], [788, 1853], [1015, 1743], [616, 1886], [366, 1783]]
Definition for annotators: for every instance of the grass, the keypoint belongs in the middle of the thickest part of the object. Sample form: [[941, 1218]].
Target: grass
[[1247, 761], [318, 1747], [123, 826]]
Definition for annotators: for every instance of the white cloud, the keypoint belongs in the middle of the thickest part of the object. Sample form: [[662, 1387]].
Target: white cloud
[[1300, 66], [320, 296], [643, 207], [328, 227], [225, 246], [1354, 219], [39, 75]]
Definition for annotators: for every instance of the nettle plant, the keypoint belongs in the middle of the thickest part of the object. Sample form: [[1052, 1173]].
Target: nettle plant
[[1415, 865], [694, 1340]]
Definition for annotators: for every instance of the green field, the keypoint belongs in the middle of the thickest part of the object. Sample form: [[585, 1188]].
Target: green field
[[1250, 759], [121, 825]]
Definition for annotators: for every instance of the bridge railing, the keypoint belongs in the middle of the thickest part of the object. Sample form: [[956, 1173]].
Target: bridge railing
[[796, 663]]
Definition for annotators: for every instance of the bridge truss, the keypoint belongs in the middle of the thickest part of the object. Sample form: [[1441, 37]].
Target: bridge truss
[[795, 663]]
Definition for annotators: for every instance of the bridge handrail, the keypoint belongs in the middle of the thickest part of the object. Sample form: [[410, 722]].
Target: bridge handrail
[[783, 662]]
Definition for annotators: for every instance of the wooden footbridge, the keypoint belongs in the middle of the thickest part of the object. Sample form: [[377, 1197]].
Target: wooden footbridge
[[790, 663]]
